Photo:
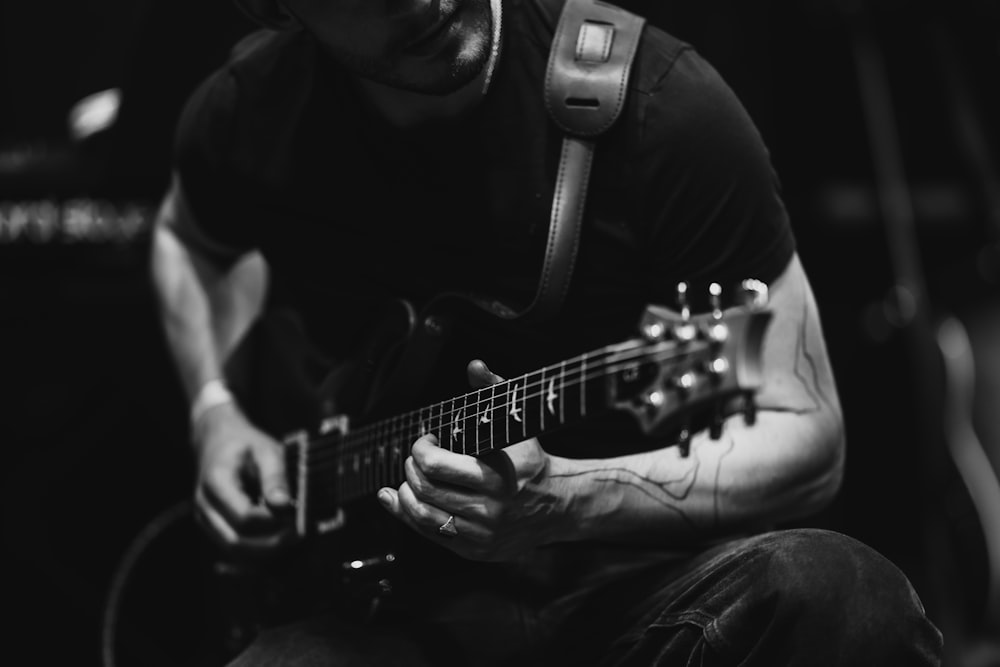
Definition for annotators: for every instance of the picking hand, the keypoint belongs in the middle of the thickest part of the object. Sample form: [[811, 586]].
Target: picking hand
[[492, 507], [241, 495]]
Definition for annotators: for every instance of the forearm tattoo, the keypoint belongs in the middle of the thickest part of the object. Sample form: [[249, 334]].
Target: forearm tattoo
[[806, 369], [671, 492], [707, 458]]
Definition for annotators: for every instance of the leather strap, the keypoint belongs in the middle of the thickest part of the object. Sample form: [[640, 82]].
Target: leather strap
[[585, 86], [589, 65]]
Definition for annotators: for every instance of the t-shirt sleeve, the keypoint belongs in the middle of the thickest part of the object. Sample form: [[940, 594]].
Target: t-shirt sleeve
[[711, 198], [203, 160]]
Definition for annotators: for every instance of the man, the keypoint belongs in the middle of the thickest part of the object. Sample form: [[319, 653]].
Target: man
[[368, 150]]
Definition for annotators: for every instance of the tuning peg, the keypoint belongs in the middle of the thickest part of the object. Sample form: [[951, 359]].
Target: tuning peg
[[682, 301], [715, 298], [749, 409], [717, 367], [654, 399], [684, 441], [715, 428], [685, 332], [685, 383], [654, 331], [755, 291]]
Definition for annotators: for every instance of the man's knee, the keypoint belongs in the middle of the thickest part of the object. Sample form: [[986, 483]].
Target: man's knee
[[838, 595]]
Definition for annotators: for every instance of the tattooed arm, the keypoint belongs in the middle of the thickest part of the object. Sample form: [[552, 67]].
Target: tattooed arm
[[787, 464]]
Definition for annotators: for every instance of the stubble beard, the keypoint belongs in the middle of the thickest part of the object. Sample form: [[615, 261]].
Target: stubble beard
[[445, 74]]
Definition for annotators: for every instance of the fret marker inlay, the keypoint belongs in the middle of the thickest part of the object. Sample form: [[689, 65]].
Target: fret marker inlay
[[514, 411]]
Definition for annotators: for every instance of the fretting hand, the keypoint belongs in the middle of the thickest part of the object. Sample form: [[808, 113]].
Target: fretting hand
[[493, 507]]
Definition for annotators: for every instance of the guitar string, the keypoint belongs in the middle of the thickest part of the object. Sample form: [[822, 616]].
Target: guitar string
[[536, 379], [361, 439], [363, 479], [408, 428], [367, 477]]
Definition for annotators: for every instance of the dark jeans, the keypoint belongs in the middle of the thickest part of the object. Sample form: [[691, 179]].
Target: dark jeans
[[795, 597]]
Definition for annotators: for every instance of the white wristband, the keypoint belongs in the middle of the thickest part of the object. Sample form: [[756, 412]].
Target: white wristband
[[212, 393]]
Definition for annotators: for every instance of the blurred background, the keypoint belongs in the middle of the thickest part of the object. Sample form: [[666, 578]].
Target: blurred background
[[882, 120]]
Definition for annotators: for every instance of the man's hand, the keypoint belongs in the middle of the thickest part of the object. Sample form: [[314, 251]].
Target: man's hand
[[499, 505], [241, 495]]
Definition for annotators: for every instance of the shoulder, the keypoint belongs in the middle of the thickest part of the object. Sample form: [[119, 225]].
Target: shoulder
[[265, 64]]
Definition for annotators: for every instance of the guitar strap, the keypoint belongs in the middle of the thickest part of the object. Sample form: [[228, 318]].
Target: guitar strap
[[585, 85]]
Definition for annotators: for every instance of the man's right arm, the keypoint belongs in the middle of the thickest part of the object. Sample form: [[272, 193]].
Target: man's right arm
[[209, 296]]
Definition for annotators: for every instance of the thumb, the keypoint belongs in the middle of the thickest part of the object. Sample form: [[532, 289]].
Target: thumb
[[480, 375], [273, 484], [389, 499]]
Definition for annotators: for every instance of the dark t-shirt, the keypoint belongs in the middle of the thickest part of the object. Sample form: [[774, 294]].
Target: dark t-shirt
[[276, 152]]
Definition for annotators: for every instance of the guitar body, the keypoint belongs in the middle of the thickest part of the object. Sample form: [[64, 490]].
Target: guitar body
[[675, 375]]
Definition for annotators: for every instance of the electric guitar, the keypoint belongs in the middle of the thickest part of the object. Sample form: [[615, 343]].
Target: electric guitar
[[679, 373]]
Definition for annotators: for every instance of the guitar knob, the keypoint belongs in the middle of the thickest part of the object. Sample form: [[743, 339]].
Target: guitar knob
[[654, 331], [684, 332], [718, 367], [717, 333], [685, 383], [654, 399], [755, 291]]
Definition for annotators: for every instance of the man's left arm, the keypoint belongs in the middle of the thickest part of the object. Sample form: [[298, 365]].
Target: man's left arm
[[786, 465]]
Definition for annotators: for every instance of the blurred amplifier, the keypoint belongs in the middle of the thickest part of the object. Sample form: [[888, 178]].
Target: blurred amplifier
[[72, 221]]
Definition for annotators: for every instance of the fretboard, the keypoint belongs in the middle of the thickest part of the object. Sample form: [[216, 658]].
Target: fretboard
[[337, 470]]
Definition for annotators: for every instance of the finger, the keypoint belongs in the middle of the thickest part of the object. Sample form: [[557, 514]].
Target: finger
[[226, 536], [389, 499], [444, 467], [428, 519], [450, 498], [224, 493], [480, 375], [273, 481]]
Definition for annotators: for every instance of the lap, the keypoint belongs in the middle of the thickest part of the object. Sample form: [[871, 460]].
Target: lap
[[787, 597]]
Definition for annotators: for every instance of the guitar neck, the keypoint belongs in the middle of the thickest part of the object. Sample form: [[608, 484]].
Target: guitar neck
[[334, 470], [674, 368]]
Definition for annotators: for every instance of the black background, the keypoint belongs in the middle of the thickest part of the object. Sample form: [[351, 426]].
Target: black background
[[91, 417]]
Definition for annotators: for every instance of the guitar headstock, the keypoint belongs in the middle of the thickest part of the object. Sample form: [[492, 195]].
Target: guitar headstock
[[689, 367]]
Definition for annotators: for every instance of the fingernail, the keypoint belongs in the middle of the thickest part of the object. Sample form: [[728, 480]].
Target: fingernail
[[385, 498], [279, 496]]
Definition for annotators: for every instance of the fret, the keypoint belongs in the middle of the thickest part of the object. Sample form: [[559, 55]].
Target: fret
[[433, 420], [525, 390], [468, 419], [423, 421], [562, 392], [491, 412], [382, 450], [542, 396], [484, 418], [527, 403], [455, 424], [516, 411], [469, 411]]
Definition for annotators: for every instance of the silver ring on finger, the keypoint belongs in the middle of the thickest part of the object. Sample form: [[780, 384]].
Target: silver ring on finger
[[448, 528]]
